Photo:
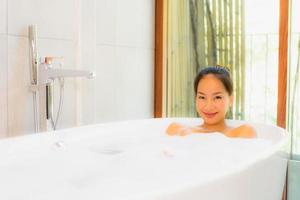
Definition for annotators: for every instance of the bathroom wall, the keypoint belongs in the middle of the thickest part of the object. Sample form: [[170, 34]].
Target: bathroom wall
[[124, 60], [3, 69], [114, 38]]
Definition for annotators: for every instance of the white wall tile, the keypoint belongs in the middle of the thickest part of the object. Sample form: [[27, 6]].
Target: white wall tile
[[20, 104], [145, 63], [88, 34], [126, 22], [3, 16], [54, 18], [124, 83], [3, 86], [87, 88], [107, 89], [87, 101], [135, 21], [128, 85], [145, 23], [106, 23]]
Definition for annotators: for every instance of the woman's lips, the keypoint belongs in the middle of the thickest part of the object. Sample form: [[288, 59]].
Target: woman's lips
[[210, 114]]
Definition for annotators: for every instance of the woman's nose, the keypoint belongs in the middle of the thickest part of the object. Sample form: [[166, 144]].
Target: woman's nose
[[209, 104]]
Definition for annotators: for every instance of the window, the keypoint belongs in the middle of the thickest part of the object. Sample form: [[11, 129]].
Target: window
[[293, 81], [238, 34]]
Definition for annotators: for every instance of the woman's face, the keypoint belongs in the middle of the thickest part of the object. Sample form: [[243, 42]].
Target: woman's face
[[212, 100]]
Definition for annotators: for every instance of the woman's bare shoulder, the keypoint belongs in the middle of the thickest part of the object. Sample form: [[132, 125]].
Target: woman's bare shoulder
[[243, 131], [183, 130]]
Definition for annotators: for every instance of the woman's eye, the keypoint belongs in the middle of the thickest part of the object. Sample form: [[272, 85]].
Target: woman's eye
[[218, 97], [201, 97]]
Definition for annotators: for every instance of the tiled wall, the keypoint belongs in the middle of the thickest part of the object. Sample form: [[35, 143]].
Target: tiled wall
[[124, 59], [114, 38]]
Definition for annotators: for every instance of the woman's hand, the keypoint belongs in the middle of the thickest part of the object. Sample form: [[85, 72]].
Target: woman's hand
[[178, 129]]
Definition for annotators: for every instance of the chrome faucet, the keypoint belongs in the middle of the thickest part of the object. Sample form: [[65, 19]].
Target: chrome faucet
[[43, 74], [47, 71]]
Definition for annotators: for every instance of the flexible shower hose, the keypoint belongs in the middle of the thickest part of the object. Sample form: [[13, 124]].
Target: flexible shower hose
[[54, 122]]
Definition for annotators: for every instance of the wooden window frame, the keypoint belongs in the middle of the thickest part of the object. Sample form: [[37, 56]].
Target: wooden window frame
[[160, 57], [282, 62]]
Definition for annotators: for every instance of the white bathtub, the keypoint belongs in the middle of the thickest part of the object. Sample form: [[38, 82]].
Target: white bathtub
[[136, 160]]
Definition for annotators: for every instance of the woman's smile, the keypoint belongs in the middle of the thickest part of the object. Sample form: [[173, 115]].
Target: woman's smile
[[210, 114]]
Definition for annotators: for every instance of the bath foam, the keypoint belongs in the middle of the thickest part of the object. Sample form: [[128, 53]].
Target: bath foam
[[115, 165]]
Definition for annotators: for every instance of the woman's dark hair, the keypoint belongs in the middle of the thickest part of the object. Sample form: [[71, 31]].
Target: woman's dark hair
[[221, 73]]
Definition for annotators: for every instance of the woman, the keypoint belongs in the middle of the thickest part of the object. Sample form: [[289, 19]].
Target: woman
[[213, 90]]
